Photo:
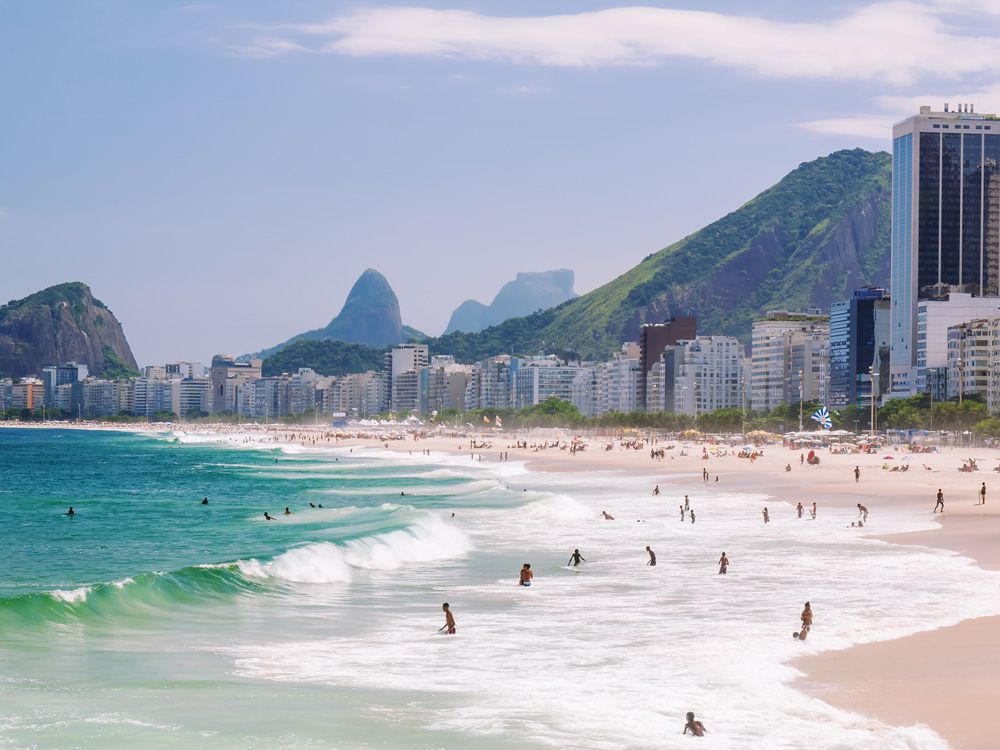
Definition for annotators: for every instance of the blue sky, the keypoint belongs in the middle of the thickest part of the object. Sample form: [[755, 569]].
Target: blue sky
[[221, 172]]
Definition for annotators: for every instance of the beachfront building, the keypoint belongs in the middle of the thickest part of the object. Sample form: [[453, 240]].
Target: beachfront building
[[491, 384], [945, 234], [101, 398], [401, 372], [859, 338], [152, 395], [228, 376], [934, 318], [538, 379], [54, 376], [654, 338], [27, 393], [194, 396], [707, 375], [443, 384], [789, 359], [359, 395]]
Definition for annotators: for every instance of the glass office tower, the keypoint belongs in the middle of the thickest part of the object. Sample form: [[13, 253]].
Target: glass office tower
[[945, 219]]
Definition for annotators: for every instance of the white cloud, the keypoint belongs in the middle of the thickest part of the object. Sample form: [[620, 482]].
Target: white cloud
[[896, 107], [898, 42]]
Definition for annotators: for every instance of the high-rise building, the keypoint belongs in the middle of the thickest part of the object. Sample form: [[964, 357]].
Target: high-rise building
[[401, 370], [709, 375], [856, 340], [56, 375], [654, 339], [945, 220], [538, 379], [227, 376], [789, 359], [934, 318]]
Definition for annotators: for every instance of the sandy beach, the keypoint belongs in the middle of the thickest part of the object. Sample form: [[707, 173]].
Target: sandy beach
[[938, 678]]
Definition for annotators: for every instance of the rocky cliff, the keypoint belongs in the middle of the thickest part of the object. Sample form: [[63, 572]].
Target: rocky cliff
[[63, 323], [528, 293]]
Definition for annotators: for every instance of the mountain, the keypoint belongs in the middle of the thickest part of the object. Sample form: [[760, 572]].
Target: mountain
[[369, 317], [63, 323], [526, 294], [327, 357], [812, 238]]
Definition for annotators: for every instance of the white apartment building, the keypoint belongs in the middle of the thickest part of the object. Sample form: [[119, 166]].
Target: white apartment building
[[789, 360], [934, 318], [709, 375], [538, 379]]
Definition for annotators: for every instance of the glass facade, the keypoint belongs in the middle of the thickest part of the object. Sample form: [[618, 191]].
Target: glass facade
[[902, 249], [840, 354]]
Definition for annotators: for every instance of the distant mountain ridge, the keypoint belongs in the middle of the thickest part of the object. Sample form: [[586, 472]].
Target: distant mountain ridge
[[527, 293], [815, 236], [370, 317], [63, 323]]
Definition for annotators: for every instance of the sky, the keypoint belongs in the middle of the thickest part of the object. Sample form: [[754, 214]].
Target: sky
[[220, 173]]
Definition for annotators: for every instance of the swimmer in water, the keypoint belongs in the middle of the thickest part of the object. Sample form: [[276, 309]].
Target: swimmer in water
[[288, 511], [526, 575], [204, 501], [607, 516], [70, 512], [723, 565], [652, 557], [693, 726], [576, 558], [449, 620], [312, 505], [269, 517]]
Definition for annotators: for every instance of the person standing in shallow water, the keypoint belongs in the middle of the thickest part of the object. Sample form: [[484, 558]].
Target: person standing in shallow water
[[576, 558], [723, 564], [526, 575], [449, 620], [807, 621], [799, 509], [767, 516], [694, 726], [857, 474], [652, 556], [940, 501]]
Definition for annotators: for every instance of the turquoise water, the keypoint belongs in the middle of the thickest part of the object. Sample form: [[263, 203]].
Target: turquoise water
[[151, 621]]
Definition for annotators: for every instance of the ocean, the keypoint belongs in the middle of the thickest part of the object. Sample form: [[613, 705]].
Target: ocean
[[148, 620]]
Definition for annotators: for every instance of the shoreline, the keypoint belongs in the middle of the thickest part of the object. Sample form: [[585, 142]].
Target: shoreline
[[936, 677]]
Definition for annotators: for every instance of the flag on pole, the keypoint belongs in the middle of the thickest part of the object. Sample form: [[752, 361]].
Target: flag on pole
[[486, 419], [822, 417], [499, 422]]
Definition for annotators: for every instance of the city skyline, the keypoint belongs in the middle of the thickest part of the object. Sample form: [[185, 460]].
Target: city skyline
[[171, 157]]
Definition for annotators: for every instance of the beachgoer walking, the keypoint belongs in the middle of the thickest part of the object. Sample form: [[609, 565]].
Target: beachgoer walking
[[802, 459], [857, 474], [526, 575], [807, 621], [687, 503], [694, 726], [982, 494], [576, 558], [863, 512], [813, 512], [682, 512], [723, 564], [656, 490], [940, 501], [691, 513], [767, 516], [799, 509], [652, 557], [449, 620]]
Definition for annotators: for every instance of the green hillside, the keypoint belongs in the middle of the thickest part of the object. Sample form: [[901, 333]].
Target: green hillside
[[812, 238]]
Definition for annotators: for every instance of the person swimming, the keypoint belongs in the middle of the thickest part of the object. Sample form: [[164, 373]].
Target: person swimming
[[693, 726], [70, 512], [204, 501], [269, 517], [288, 511], [652, 557], [312, 505], [607, 516], [576, 558], [526, 575]]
